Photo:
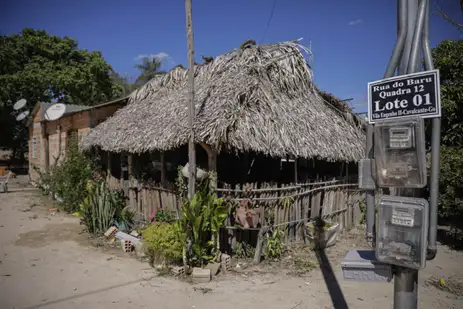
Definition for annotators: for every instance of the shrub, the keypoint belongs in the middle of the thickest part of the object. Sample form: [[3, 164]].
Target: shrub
[[163, 242], [451, 187], [102, 207], [69, 179]]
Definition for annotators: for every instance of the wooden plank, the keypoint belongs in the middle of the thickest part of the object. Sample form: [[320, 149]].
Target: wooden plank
[[306, 206], [297, 229], [342, 215], [132, 200]]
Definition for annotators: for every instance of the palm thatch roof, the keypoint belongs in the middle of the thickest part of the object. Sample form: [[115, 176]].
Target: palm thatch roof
[[255, 98]]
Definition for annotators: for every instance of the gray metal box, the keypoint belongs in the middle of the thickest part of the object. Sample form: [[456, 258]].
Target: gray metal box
[[367, 171], [361, 265]]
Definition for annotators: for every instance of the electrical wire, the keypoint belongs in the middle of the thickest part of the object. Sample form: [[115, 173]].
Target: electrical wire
[[269, 20]]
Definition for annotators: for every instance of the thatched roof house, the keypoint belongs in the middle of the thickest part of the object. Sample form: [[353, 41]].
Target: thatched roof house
[[256, 98]]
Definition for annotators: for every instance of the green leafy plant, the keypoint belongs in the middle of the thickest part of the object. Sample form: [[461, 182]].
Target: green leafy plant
[[274, 243], [163, 242], [447, 58], [101, 208], [45, 180], [202, 217], [163, 216], [244, 250], [69, 179]]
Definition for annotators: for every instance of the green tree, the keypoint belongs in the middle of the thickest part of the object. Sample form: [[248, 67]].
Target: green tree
[[37, 66], [448, 58], [149, 68], [124, 81]]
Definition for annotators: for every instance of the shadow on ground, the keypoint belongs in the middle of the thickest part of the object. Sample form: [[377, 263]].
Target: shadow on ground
[[334, 289], [450, 237]]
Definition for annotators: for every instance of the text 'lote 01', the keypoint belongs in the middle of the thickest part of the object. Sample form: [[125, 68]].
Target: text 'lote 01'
[[416, 94]]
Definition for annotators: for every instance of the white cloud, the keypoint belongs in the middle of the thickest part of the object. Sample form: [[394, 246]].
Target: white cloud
[[354, 22], [161, 56]]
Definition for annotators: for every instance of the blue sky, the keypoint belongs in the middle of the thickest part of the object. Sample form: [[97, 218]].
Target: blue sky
[[351, 40]]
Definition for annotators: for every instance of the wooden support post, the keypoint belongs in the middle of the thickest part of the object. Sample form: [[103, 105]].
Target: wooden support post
[[260, 239], [211, 157], [163, 171], [191, 100], [132, 201], [121, 161], [108, 168], [211, 160], [295, 172]]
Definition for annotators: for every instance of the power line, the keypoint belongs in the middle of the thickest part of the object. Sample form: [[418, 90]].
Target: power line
[[269, 20]]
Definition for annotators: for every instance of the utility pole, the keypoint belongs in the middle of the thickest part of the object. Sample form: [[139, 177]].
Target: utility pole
[[191, 100], [413, 33]]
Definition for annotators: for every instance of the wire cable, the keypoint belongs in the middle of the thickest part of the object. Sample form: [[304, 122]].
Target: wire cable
[[269, 20]]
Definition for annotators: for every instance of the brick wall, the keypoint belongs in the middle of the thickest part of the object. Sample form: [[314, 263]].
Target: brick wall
[[35, 144], [79, 122]]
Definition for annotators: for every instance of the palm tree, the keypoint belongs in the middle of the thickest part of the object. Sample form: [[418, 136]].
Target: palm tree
[[149, 68]]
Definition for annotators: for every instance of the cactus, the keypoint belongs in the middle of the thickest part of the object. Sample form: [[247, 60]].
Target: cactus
[[100, 207]]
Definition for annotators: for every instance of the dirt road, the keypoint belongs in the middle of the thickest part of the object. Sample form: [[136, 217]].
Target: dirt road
[[46, 262]]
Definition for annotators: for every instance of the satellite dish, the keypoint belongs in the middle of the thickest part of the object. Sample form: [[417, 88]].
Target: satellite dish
[[20, 104], [55, 111], [22, 116]]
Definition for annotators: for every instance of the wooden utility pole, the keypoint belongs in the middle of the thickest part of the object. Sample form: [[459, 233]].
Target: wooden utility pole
[[191, 100]]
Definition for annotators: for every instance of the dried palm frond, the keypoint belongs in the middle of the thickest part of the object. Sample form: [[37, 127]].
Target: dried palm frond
[[260, 98]]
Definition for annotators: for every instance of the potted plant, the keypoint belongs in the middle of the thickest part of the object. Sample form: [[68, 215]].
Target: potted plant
[[321, 234]]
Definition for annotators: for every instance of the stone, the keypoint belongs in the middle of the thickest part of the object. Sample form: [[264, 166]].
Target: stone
[[214, 267], [201, 275]]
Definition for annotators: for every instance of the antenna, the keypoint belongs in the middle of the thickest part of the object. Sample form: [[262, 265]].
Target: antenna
[[22, 116], [17, 109], [55, 111], [20, 104]]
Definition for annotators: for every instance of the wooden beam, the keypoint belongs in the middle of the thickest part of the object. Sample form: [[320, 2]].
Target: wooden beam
[[121, 162], [163, 171], [108, 168], [211, 157], [132, 200]]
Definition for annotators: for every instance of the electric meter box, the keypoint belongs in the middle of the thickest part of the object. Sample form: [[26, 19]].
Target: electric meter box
[[402, 231], [400, 155]]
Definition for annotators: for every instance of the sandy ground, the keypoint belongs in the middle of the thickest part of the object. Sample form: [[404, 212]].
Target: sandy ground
[[46, 262]]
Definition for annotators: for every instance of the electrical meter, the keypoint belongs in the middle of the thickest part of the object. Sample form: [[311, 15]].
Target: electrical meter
[[400, 156], [402, 231]]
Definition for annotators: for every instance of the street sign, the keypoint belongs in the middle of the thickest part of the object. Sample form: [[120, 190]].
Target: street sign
[[416, 94]]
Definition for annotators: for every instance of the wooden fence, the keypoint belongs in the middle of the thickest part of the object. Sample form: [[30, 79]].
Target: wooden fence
[[289, 207]]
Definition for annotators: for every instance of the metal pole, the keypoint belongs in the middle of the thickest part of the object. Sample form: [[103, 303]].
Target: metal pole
[[401, 37], [370, 194], [435, 150], [405, 289], [392, 66], [191, 101], [412, 62], [406, 280], [410, 16]]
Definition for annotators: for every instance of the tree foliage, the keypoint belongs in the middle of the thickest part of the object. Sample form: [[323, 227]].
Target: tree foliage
[[37, 66], [448, 58], [149, 68]]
